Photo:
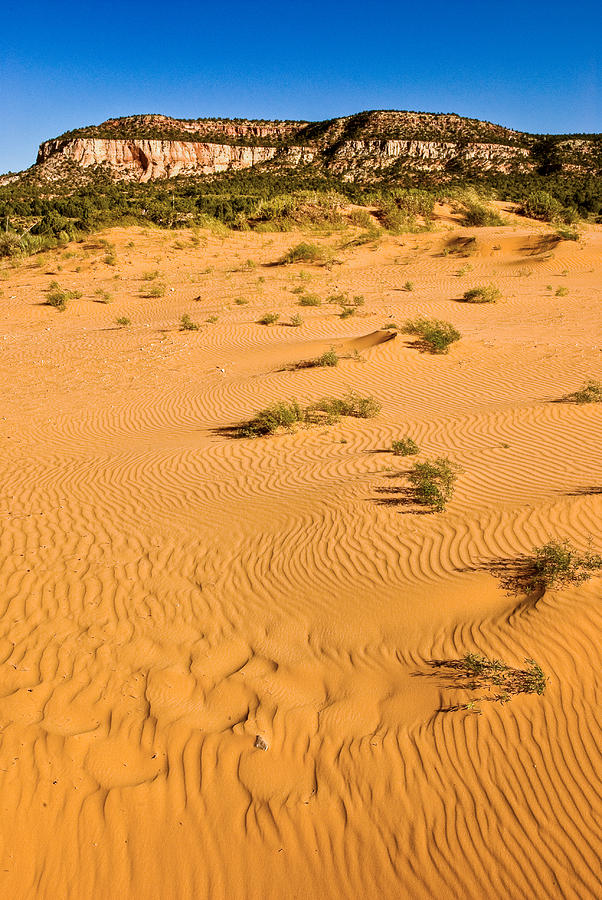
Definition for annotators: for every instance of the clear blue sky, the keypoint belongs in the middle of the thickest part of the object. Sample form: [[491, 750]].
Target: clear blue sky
[[530, 65]]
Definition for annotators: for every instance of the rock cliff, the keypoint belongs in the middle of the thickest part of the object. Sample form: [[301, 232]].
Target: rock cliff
[[362, 146]]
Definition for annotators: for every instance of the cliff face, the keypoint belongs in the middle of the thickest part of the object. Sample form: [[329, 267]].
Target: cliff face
[[361, 146], [151, 159]]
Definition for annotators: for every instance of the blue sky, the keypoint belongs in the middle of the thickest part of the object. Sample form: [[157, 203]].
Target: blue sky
[[530, 65]]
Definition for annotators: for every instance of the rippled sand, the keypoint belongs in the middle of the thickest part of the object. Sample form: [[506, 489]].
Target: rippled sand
[[169, 593]]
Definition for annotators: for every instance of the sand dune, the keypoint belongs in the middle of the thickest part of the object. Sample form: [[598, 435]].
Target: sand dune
[[169, 593]]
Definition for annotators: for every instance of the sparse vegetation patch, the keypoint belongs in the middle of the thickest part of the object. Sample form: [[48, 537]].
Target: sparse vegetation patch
[[186, 323], [488, 293], [436, 334], [269, 318], [558, 564], [405, 447], [433, 482], [327, 411], [58, 298], [590, 392], [501, 681]]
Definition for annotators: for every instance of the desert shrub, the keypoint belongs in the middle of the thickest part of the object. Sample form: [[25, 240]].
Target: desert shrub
[[329, 358], [408, 286], [304, 252], [476, 213], [542, 205], [433, 482], [487, 293], [372, 234], [310, 300], [399, 211], [344, 300], [350, 405], [155, 290], [405, 447], [436, 334], [10, 245], [558, 564], [103, 296], [123, 321], [393, 219], [562, 291], [13, 245], [590, 392], [150, 276], [286, 413], [500, 680], [347, 311], [282, 414], [186, 323], [461, 246], [240, 301], [211, 320], [268, 319], [58, 298], [567, 234], [361, 218], [296, 321]]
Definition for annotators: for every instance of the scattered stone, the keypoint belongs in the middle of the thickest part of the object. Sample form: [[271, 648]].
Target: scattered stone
[[260, 743]]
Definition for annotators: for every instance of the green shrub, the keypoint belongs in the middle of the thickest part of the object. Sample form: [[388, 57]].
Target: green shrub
[[304, 252], [433, 482], [10, 244], [58, 298], [329, 358], [310, 300], [476, 672], [361, 218], [123, 321], [348, 304], [155, 290], [399, 211], [558, 564], [483, 294], [405, 447], [327, 411], [476, 213], [282, 414], [542, 205], [350, 405], [436, 334], [268, 319], [591, 392], [567, 234], [186, 323]]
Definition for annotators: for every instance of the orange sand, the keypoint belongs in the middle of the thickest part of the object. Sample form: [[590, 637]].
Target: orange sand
[[168, 593]]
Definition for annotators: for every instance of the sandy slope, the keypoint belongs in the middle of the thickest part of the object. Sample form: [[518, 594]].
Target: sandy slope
[[168, 593]]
